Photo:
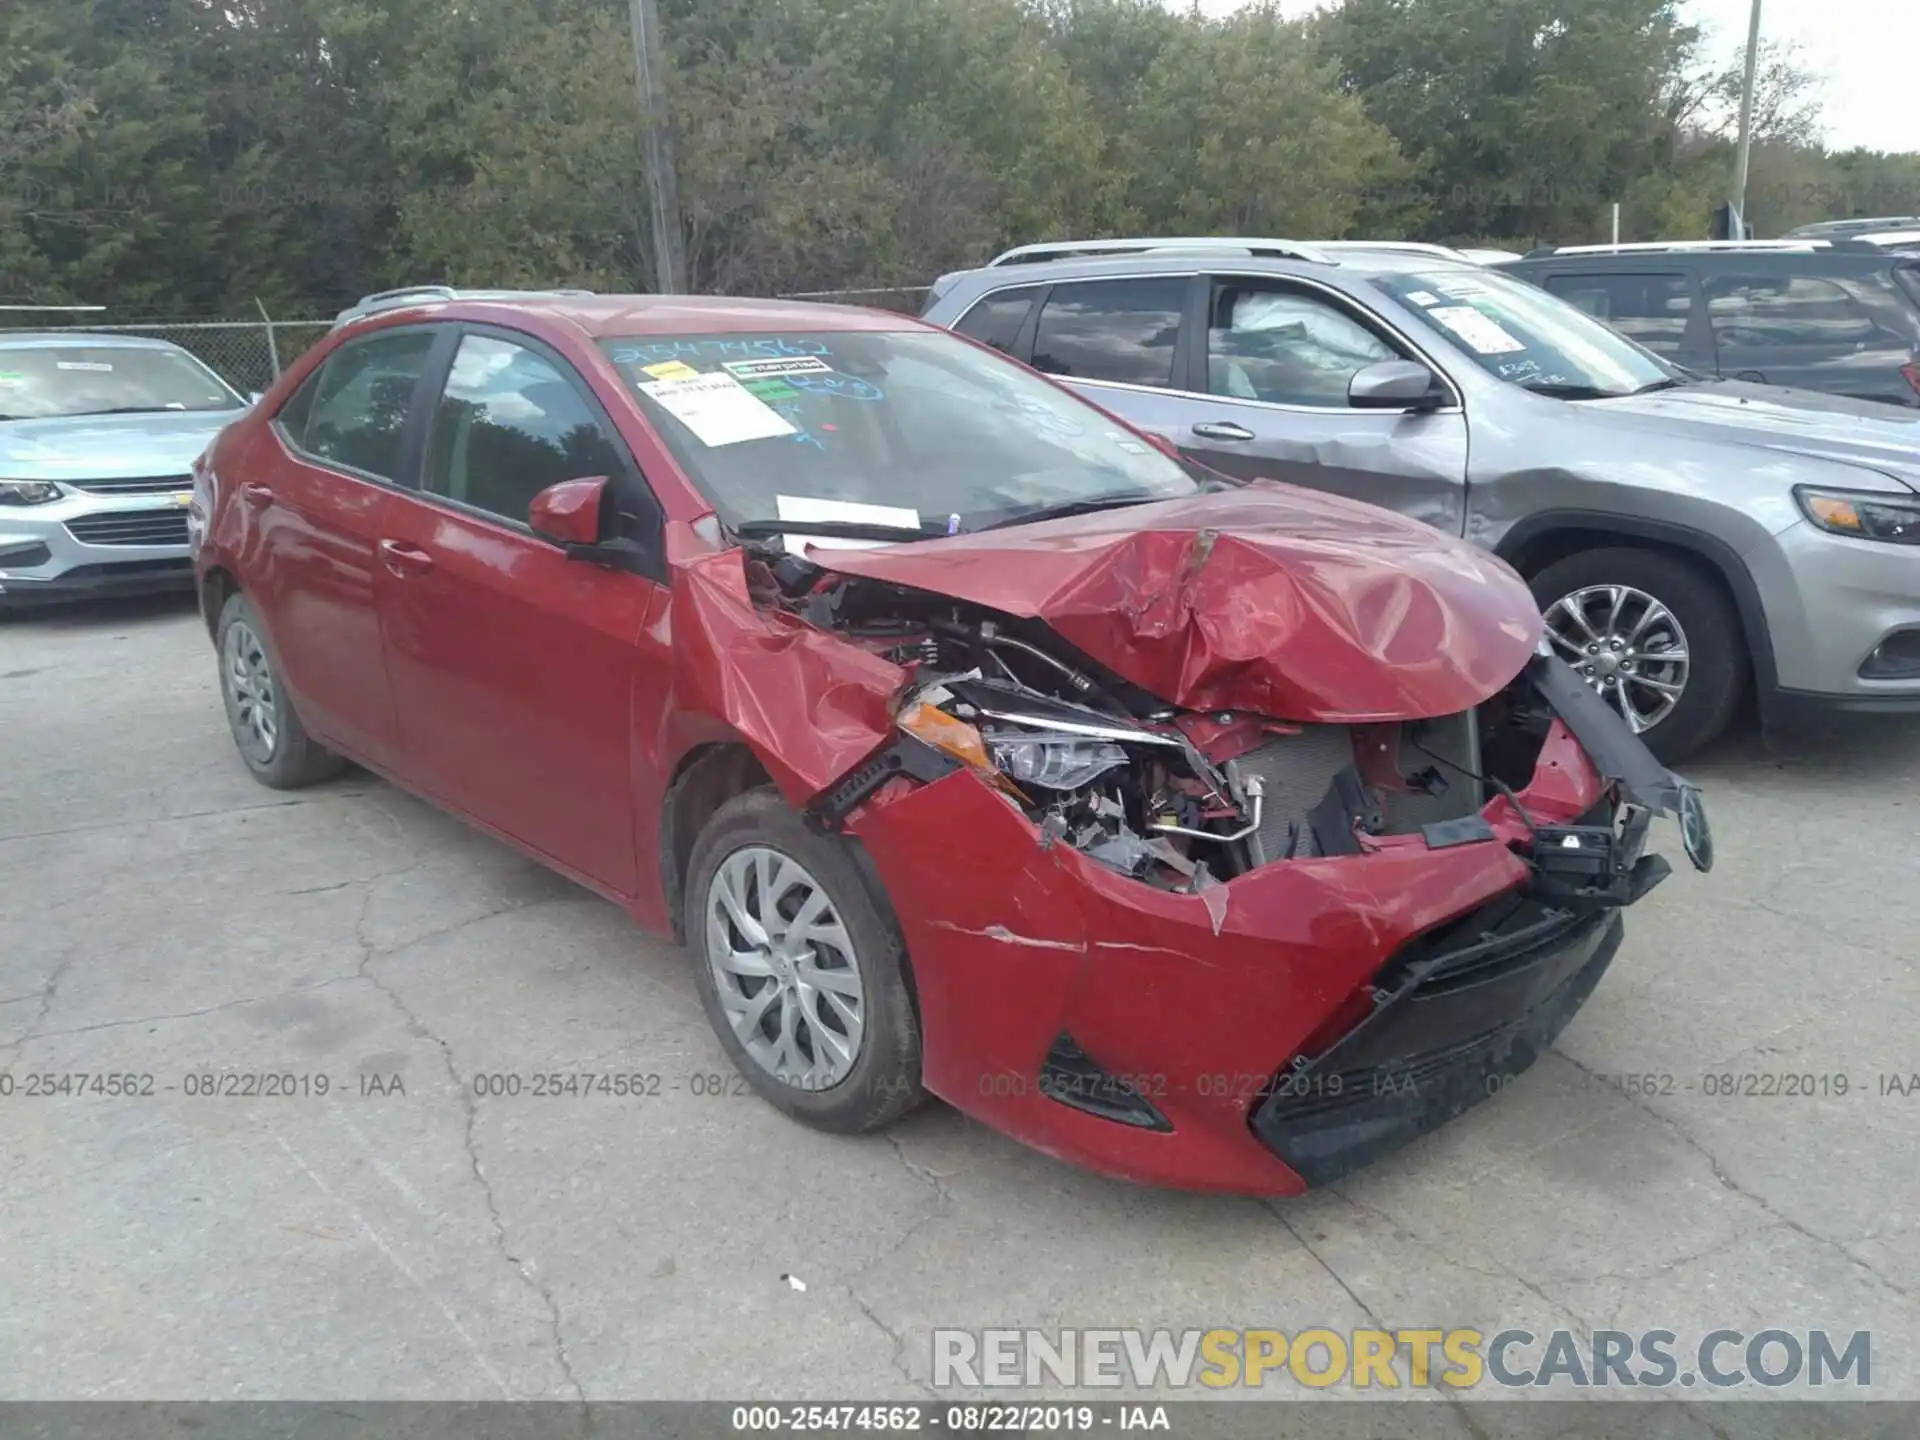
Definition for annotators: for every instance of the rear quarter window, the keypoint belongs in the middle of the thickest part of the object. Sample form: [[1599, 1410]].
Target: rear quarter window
[[996, 320]]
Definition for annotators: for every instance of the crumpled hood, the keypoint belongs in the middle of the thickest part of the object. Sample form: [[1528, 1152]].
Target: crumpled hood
[[80, 447], [1770, 417], [1268, 598]]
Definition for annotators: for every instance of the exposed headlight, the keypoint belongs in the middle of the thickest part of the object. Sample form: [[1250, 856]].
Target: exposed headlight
[[1864, 516], [1054, 762], [28, 492]]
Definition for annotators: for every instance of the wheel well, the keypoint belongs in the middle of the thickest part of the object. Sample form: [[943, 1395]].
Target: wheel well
[[708, 777], [215, 586], [1534, 551]]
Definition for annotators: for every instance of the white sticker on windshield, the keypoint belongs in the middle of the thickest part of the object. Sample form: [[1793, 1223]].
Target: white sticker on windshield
[[1422, 297], [83, 365], [768, 369], [1461, 289], [1483, 335], [717, 409], [806, 509]]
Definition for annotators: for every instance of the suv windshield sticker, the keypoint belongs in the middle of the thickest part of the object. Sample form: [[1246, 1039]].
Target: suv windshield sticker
[[770, 369], [83, 365], [717, 409], [1422, 297], [672, 370], [1477, 330]]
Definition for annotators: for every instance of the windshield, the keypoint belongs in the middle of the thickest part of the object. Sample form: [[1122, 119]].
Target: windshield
[[1522, 334], [46, 381], [913, 429]]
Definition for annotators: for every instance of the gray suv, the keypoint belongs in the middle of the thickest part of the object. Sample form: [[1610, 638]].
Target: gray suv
[[1687, 538]]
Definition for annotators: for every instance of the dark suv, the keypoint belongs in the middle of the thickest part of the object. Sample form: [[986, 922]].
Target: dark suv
[[1840, 316]]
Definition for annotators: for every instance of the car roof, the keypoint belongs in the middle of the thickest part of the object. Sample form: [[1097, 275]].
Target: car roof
[[1810, 257], [47, 339], [1353, 264], [611, 316]]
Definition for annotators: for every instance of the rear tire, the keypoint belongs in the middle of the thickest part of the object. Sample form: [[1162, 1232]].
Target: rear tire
[[266, 728], [1703, 623], [796, 990]]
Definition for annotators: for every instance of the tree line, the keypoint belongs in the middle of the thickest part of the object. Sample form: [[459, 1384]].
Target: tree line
[[192, 157]]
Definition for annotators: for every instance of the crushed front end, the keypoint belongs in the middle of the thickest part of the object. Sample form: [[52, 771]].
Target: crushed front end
[[1216, 949]]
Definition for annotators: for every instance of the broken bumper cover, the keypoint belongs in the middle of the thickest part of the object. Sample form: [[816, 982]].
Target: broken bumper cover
[[1241, 1038], [1509, 978]]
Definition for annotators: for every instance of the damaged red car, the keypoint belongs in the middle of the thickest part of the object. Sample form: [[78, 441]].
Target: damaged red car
[[1209, 834]]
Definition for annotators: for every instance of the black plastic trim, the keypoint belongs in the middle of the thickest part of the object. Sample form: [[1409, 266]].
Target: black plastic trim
[[1073, 1078]]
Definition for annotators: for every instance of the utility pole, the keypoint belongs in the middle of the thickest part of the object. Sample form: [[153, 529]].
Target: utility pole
[[1739, 196], [669, 258]]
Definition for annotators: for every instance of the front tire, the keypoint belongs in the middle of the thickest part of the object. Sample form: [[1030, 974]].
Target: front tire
[[266, 728], [1657, 638], [801, 968]]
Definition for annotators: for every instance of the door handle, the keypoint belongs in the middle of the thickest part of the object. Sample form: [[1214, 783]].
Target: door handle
[[403, 560], [258, 496], [1222, 430]]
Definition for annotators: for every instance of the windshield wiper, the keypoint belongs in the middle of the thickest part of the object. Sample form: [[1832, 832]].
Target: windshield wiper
[[1575, 392], [130, 410], [1061, 509], [834, 530], [1668, 384]]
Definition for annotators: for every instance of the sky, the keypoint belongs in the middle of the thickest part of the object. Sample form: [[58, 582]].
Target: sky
[[1863, 49]]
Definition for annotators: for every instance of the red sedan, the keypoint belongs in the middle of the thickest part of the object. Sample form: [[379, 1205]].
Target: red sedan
[[1212, 835]]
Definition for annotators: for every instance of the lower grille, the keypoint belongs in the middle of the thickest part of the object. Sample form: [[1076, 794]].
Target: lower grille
[[131, 527], [143, 485]]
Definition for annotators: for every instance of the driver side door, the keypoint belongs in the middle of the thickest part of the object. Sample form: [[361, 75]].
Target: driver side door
[[515, 670], [1279, 356]]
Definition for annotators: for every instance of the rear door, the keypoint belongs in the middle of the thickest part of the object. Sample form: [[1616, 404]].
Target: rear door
[[316, 509], [515, 669], [1119, 343], [1278, 357], [1847, 334]]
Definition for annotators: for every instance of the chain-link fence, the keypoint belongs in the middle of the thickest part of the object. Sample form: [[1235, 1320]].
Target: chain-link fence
[[247, 354]]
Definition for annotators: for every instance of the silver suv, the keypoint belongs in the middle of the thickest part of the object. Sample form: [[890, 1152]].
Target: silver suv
[[98, 435], [1687, 538]]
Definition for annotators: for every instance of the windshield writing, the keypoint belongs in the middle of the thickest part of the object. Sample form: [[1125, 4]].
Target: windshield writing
[[927, 427]]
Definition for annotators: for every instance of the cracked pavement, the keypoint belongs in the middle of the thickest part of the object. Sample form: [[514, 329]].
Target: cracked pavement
[[406, 1236]]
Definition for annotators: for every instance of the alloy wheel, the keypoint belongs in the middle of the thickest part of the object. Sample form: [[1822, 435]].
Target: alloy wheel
[[1627, 645], [785, 968], [250, 689]]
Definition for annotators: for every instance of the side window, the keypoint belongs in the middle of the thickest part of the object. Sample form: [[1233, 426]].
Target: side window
[[1759, 312], [509, 424], [996, 320], [1288, 347], [1123, 330], [1651, 309], [361, 398]]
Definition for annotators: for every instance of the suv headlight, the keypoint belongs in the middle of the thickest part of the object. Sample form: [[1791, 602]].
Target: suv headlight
[[1893, 518], [28, 492]]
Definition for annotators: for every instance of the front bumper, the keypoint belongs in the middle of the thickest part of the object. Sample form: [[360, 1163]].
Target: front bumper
[[91, 543], [1192, 1040], [1505, 981], [1830, 602]]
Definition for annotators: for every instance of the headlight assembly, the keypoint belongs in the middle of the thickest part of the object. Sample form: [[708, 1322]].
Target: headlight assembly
[[1053, 762], [28, 492], [1893, 518]]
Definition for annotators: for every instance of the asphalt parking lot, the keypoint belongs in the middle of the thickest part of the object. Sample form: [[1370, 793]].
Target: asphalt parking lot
[[402, 1237]]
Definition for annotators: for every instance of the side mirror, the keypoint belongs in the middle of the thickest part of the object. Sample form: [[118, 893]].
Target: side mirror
[[569, 513], [1395, 385]]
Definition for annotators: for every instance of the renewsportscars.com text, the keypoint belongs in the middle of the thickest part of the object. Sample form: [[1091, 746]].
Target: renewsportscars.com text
[[1459, 1359]]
